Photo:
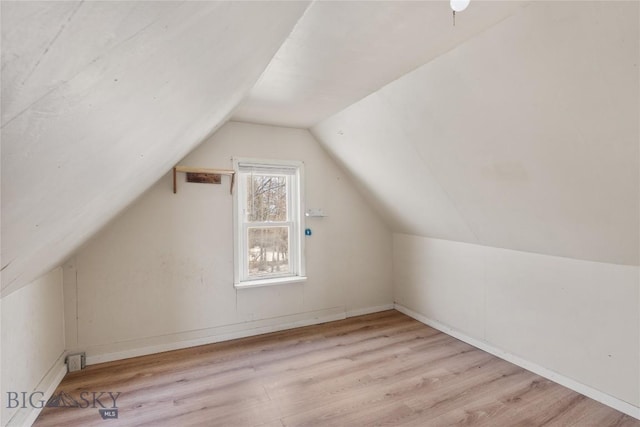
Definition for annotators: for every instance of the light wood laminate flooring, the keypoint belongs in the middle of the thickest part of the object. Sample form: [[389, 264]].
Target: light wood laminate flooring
[[378, 369]]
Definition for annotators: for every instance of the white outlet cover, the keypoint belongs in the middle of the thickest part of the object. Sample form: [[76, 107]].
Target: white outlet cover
[[74, 362]]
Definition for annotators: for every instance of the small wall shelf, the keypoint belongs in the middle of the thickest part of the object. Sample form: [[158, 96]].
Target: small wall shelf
[[190, 169]]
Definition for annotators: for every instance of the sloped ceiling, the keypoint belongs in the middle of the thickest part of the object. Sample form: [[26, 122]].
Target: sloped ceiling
[[100, 99], [524, 137], [341, 51]]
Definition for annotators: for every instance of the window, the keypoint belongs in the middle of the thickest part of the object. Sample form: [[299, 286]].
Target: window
[[268, 222]]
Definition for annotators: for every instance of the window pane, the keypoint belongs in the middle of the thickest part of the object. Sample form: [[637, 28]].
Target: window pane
[[268, 251], [266, 198]]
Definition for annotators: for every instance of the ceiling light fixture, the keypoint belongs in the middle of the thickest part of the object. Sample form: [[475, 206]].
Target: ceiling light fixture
[[458, 6]]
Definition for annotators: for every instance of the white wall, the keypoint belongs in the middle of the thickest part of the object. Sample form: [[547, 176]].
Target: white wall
[[577, 318], [32, 340], [161, 274]]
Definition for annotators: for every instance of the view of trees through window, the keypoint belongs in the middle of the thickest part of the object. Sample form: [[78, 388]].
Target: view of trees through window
[[268, 225]]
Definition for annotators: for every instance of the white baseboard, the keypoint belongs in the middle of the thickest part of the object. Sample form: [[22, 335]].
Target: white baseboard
[[211, 339], [27, 416], [369, 310], [586, 390], [230, 332]]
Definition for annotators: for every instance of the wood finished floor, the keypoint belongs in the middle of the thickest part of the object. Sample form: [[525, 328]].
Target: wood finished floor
[[379, 369]]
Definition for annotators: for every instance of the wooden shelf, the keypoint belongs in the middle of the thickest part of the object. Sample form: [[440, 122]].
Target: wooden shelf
[[191, 169]]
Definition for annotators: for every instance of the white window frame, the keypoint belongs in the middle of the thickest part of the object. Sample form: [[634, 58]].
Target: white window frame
[[296, 219]]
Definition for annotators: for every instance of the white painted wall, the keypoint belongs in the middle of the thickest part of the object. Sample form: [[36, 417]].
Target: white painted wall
[[33, 340], [162, 272], [580, 319]]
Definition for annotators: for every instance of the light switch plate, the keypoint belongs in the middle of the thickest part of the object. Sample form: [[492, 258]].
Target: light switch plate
[[315, 212]]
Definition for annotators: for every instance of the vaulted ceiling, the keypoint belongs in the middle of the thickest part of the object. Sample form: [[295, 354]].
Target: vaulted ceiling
[[341, 51], [516, 128], [525, 137], [100, 99]]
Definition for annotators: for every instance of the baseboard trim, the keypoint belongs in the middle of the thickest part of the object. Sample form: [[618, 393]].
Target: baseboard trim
[[178, 345], [27, 416], [586, 390], [248, 330], [369, 310]]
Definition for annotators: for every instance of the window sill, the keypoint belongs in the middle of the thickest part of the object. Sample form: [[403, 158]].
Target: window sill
[[270, 282]]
